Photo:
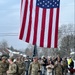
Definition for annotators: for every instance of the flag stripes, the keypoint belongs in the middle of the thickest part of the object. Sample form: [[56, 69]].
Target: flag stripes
[[43, 27], [35, 25], [30, 21], [56, 30], [24, 19], [50, 28], [39, 26]]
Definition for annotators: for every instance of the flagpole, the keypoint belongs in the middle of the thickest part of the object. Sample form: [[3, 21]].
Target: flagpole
[[35, 53]]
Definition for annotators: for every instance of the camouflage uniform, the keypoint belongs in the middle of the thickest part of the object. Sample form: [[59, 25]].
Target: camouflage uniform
[[12, 69], [58, 68], [3, 68], [65, 67], [34, 68], [24, 67], [21, 68]]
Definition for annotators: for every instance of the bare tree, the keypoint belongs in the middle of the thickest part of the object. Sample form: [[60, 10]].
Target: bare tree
[[4, 45], [29, 51], [67, 43], [66, 39]]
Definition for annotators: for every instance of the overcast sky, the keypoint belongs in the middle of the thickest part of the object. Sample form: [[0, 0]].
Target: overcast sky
[[10, 19]]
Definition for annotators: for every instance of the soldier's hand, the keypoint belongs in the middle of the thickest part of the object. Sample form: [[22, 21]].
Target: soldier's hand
[[7, 72]]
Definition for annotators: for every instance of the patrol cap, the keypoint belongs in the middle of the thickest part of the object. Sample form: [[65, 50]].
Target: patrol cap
[[35, 57], [11, 58], [4, 57]]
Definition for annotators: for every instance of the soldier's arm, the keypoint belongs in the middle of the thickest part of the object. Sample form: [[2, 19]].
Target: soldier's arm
[[13, 70]]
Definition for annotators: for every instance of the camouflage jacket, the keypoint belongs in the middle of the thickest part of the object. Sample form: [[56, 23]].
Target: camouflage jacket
[[34, 68], [3, 67], [12, 69]]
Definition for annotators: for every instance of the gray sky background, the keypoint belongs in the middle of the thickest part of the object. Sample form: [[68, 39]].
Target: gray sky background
[[10, 19]]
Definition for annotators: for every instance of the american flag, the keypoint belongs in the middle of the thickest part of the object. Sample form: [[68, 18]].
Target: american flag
[[39, 22]]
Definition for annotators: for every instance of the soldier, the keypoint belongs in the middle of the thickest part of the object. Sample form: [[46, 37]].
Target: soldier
[[21, 66], [65, 66], [3, 66], [12, 67], [34, 68], [58, 66]]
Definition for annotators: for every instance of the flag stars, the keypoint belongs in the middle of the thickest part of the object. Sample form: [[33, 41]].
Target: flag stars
[[43, 5], [43, 1], [48, 3], [53, 5], [40, 2], [55, 2]]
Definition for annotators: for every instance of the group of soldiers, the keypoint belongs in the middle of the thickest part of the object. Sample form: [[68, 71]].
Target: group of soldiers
[[34, 66]]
